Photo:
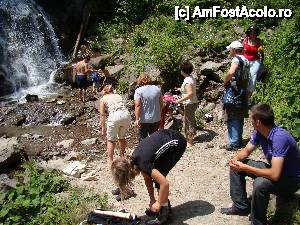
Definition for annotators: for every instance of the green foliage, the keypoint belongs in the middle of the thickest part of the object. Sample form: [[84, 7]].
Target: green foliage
[[35, 202], [123, 87], [199, 119], [281, 89]]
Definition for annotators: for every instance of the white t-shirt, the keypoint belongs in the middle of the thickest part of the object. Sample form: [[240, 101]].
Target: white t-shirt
[[189, 80]]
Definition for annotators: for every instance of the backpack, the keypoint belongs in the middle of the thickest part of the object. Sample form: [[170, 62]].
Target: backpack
[[241, 78], [235, 95]]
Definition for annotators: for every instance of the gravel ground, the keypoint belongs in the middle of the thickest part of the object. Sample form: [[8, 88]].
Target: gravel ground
[[199, 183]]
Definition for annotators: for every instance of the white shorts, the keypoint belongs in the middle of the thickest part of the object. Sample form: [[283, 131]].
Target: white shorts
[[117, 125]]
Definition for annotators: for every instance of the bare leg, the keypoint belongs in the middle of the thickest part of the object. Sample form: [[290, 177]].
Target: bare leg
[[189, 139], [122, 145], [83, 95], [110, 151]]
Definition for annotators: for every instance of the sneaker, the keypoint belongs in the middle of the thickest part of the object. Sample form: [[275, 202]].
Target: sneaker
[[235, 211], [229, 147], [161, 217], [116, 191], [127, 196]]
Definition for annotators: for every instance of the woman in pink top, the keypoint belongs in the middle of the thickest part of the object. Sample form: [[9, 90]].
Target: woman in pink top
[[252, 46]]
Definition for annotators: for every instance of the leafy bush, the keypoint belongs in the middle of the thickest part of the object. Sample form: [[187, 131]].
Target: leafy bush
[[123, 87], [199, 119], [281, 89], [35, 201]]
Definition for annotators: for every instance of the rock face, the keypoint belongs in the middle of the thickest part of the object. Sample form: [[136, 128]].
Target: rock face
[[66, 16], [10, 152]]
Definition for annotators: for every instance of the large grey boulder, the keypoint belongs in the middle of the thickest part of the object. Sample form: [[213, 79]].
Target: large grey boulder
[[10, 152]]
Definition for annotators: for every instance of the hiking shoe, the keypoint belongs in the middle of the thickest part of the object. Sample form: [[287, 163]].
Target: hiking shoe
[[116, 191], [229, 147], [150, 213], [127, 196], [161, 217], [234, 211]]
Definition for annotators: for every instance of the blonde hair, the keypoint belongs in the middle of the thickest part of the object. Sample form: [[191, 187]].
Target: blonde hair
[[144, 79], [107, 89], [123, 171]]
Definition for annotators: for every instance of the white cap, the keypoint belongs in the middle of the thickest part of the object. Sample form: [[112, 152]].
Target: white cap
[[235, 45]]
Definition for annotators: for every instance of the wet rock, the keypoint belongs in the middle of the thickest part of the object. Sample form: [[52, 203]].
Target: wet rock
[[31, 98], [65, 143], [68, 120], [10, 152], [52, 100], [90, 141], [19, 120], [61, 102]]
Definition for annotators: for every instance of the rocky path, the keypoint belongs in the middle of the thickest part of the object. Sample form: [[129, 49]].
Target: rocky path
[[199, 182]]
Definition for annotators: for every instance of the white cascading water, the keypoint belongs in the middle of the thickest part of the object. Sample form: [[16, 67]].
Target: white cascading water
[[29, 51]]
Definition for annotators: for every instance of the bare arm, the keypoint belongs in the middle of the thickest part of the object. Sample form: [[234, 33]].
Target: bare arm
[[245, 152], [102, 116], [189, 93], [163, 189], [272, 173], [230, 73], [150, 189], [137, 111]]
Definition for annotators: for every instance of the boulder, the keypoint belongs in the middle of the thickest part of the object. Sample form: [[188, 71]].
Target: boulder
[[31, 98], [19, 120], [65, 143], [6, 183], [10, 152], [75, 169], [90, 141]]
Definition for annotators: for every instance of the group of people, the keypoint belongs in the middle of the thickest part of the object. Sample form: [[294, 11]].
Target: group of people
[[160, 149], [100, 77]]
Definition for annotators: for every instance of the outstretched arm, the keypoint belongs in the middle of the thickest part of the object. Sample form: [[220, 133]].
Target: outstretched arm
[[163, 193], [150, 189]]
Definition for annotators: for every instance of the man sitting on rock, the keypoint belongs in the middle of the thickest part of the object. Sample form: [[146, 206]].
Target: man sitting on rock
[[280, 176]]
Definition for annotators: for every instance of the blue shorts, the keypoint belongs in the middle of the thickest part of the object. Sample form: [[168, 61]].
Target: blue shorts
[[81, 81], [95, 77]]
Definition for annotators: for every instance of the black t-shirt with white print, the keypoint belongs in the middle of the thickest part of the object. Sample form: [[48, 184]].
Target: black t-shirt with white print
[[161, 151]]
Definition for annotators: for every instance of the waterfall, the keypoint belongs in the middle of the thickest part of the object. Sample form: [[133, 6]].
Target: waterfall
[[29, 51]]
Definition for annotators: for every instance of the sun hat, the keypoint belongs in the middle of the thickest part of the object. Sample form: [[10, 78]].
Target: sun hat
[[235, 45]]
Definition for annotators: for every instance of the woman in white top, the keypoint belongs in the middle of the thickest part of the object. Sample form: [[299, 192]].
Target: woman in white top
[[118, 121], [189, 100]]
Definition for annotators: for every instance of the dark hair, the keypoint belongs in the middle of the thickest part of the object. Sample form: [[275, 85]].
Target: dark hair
[[187, 67], [101, 66], [254, 29], [264, 113], [87, 57]]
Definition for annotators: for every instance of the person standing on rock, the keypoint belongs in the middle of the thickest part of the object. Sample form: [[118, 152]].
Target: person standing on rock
[[234, 115], [280, 175], [189, 100], [154, 157], [148, 106], [118, 121], [81, 76]]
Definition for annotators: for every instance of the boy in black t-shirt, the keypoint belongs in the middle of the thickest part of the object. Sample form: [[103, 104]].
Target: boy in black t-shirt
[[154, 157]]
